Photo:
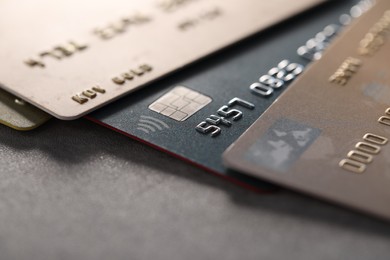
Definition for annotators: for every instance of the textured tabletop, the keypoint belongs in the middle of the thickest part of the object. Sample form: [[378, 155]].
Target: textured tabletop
[[74, 190]]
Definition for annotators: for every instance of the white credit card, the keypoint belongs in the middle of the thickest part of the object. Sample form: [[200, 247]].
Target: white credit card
[[70, 57]]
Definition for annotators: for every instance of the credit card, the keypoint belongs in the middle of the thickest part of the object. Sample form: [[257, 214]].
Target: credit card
[[203, 109], [328, 135], [69, 57], [18, 114]]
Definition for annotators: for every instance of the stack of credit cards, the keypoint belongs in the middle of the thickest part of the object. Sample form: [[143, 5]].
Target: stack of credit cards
[[205, 81]]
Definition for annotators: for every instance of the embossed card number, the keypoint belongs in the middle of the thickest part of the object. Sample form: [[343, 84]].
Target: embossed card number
[[70, 57]]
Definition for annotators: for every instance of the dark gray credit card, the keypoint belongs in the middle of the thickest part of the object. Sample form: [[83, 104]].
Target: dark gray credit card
[[201, 110]]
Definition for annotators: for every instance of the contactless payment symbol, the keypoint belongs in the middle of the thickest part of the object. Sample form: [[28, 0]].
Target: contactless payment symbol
[[148, 124]]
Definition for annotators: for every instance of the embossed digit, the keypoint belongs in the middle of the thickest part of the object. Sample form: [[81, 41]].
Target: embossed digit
[[203, 128], [352, 166]]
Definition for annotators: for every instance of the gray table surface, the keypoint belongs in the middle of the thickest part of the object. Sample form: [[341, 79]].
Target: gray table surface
[[75, 190]]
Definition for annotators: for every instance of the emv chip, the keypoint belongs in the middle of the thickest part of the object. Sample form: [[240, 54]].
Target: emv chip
[[180, 103]]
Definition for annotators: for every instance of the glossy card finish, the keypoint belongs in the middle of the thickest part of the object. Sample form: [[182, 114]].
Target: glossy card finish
[[328, 135], [70, 57], [157, 115]]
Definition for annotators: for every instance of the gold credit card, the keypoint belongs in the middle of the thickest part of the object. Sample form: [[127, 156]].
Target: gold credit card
[[70, 57], [328, 135], [18, 114]]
